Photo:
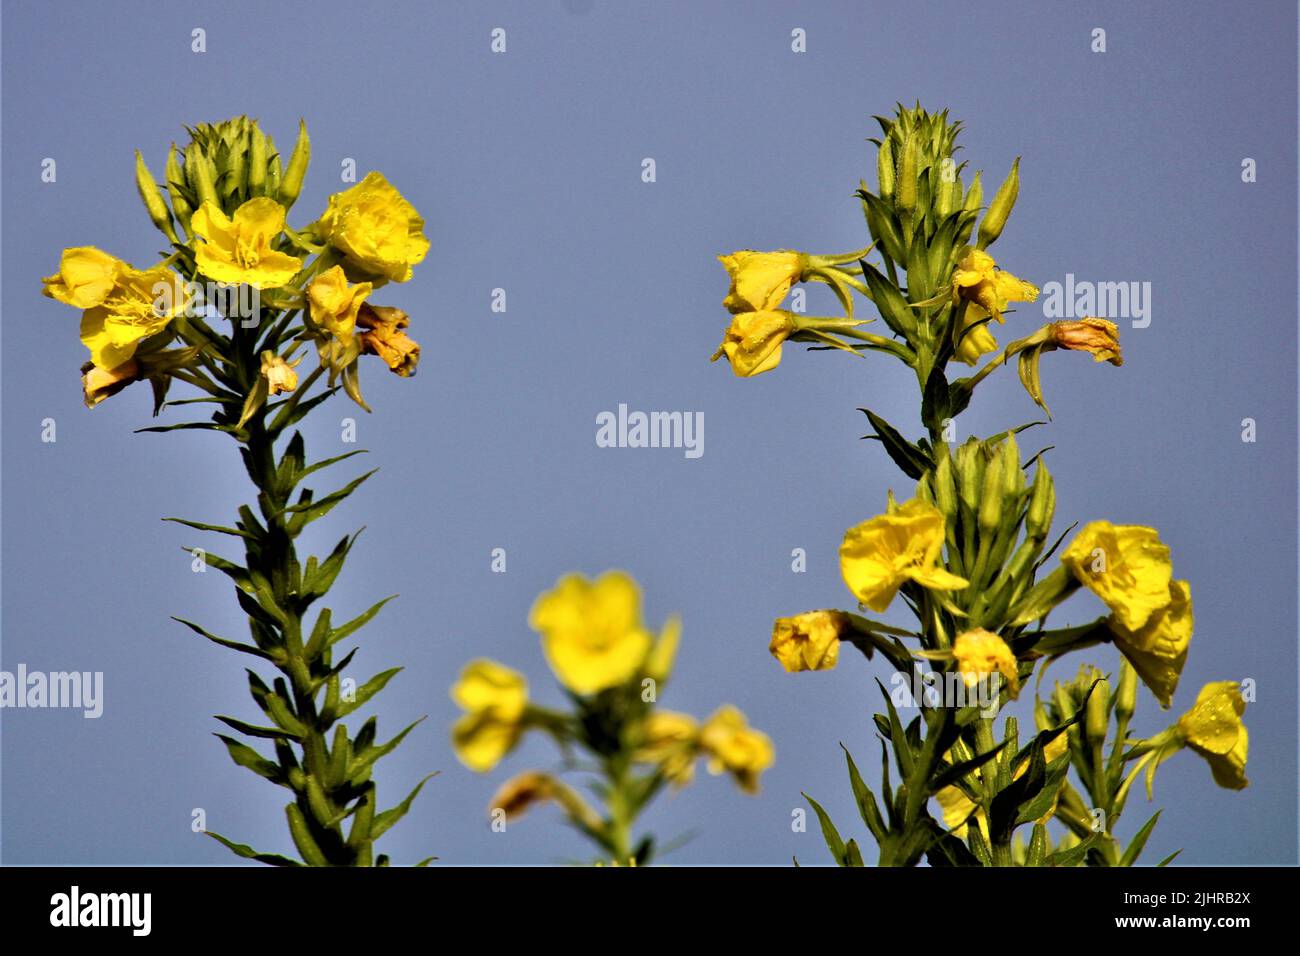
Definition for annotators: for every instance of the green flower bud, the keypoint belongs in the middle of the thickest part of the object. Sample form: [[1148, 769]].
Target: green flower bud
[[1096, 717], [885, 170], [1126, 694], [970, 474], [1013, 478], [1042, 502], [945, 492], [291, 183], [990, 504], [256, 162], [175, 182], [199, 176], [974, 195], [1005, 200], [905, 190], [152, 198]]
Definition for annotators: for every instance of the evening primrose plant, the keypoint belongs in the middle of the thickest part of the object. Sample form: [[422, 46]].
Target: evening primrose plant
[[238, 301], [970, 552], [611, 668]]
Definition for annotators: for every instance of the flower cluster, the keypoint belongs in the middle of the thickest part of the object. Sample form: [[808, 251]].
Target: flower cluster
[[612, 668], [227, 312], [968, 553]]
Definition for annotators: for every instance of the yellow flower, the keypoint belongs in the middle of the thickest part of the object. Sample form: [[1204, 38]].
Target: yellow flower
[[383, 336], [333, 310], [881, 554], [1098, 336], [141, 303], [279, 374], [760, 280], [988, 289], [1213, 729], [669, 739], [752, 343], [1158, 649], [976, 342], [736, 748], [979, 653], [376, 228], [238, 249], [98, 384], [808, 641], [494, 698], [1126, 566], [592, 633], [85, 278]]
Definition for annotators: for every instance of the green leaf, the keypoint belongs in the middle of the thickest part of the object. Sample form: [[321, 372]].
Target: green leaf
[[248, 853], [891, 305], [365, 757], [908, 457], [221, 529], [1074, 855], [359, 621], [1169, 859], [1134, 849], [308, 511], [317, 466], [957, 771], [246, 756], [867, 805], [224, 642], [832, 836], [252, 730], [367, 690], [386, 819]]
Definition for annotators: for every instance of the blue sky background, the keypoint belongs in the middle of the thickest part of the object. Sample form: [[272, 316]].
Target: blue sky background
[[527, 167]]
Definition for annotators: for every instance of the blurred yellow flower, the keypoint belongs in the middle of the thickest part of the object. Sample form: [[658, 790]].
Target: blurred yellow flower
[[238, 249], [1213, 728], [760, 280], [988, 289], [808, 641], [376, 228], [884, 552], [1126, 566], [591, 631], [141, 303], [752, 343], [670, 739], [382, 335], [659, 662], [980, 653], [85, 278], [494, 698], [734, 747], [1158, 649]]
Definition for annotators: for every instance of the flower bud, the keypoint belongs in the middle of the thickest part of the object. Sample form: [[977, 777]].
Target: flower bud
[[905, 195], [256, 162], [1042, 503], [291, 183], [1013, 478], [1126, 694], [885, 169], [152, 198], [996, 218], [1096, 717], [199, 175], [974, 195], [175, 180], [990, 504], [970, 474], [945, 492]]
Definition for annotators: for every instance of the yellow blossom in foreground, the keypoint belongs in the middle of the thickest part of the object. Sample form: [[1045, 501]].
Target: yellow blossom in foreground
[[988, 289], [85, 278], [884, 552], [279, 374], [592, 632], [494, 698], [98, 384], [980, 653], [376, 228], [760, 280], [333, 307], [142, 303], [808, 641], [752, 343], [1097, 336], [1158, 649], [238, 249], [1213, 728], [976, 342], [382, 335], [669, 739], [736, 748], [1126, 566]]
